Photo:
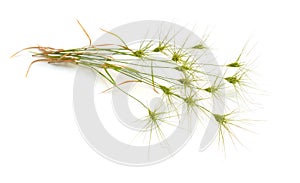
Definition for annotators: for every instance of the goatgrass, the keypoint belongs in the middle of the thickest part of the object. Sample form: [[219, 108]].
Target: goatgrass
[[141, 65]]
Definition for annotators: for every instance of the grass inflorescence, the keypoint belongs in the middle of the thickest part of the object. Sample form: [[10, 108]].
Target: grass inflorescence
[[189, 88]]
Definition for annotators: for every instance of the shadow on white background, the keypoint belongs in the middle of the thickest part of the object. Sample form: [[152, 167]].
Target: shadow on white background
[[39, 138]]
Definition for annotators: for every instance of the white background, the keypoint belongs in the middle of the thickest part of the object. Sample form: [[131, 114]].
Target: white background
[[40, 140]]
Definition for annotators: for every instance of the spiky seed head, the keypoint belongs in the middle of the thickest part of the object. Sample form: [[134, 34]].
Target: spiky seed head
[[182, 68], [176, 57], [139, 53], [190, 101], [199, 46], [166, 90], [234, 64], [159, 48], [220, 118], [211, 89], [152, 115], [233, 80]]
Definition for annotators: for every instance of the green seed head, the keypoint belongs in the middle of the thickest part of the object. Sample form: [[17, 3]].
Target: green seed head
[[190, 101], [199, 46], [183, 68], [234, 64], [159, 48], [139, 53], [220, 118], [152, 115], [166, 90], [211, 89], [176, 57], [233, 80]]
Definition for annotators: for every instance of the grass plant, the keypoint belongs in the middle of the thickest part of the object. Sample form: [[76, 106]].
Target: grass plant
[[190, 89]]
